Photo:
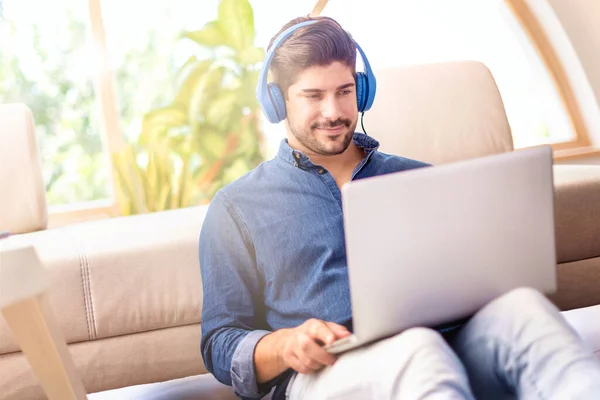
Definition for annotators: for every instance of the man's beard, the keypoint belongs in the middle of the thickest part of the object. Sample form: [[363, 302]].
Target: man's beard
[[310, 142]]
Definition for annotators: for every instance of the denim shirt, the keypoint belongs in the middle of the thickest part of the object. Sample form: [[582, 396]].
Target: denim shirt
[[272, 255]]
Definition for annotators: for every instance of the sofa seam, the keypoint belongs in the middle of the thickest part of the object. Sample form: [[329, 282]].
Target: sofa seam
[[83, 283], [112, 337], [577, 260], [91, 299], [83, 286]]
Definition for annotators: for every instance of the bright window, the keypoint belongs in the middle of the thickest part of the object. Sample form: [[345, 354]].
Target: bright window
[[429, 31], [145, 52], [46, 63]]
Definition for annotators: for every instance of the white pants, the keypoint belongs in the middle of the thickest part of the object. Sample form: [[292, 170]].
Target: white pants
[[389, 369], [519, 346]]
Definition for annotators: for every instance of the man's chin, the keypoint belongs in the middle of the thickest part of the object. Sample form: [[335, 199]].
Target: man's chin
[[335, 144]]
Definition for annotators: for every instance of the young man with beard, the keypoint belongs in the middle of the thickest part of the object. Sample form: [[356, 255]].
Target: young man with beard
[[275, 279]]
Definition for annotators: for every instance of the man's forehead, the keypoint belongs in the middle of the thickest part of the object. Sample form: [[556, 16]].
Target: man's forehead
[[324, 77]]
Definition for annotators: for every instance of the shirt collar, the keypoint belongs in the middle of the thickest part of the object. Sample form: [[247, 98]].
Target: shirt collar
[[299, 159]]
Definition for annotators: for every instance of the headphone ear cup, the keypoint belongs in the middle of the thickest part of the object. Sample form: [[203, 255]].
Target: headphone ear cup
[[361, 91], [278, 102]]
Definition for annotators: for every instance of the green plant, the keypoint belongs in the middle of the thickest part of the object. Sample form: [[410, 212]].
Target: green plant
[[209, 135], [46, 76]]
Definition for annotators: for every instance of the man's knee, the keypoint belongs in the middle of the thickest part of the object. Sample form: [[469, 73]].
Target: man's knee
[[522, 298], [413, 340], [515, 308]]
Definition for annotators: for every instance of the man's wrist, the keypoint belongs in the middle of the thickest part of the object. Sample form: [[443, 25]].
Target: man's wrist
[[268, 357], [280, 340]]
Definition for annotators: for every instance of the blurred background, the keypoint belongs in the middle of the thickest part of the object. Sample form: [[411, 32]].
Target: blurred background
[[143, 106]]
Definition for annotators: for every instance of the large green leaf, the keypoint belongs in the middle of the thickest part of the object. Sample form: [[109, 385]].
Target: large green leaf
[[170, 116], [236, 20], [211, 35], [202, 140], [189, 85], [248, 143], [247, 89], [238, 168], [251, 55], [183, 71], [222, 109], [203, 93], [212, 144]]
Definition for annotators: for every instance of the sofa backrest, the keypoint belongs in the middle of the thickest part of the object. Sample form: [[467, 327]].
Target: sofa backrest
[[22, 192], [439, 113]]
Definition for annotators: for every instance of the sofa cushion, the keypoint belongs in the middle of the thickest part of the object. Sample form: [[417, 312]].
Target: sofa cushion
[[23, 200], [117, 362], [439, 113], [577, 212], [120, 276], [578, 283], [205, 387]]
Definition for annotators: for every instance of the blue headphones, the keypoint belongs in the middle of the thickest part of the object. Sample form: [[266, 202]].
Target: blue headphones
[[271, 99]]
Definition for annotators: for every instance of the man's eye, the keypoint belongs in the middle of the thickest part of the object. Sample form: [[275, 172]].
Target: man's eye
[[313, 96], [345, 92]]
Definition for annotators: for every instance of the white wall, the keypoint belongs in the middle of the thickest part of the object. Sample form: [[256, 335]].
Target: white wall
[[580, 21]]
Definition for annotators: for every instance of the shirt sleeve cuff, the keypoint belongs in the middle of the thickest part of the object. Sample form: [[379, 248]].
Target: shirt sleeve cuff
[[243, 374]]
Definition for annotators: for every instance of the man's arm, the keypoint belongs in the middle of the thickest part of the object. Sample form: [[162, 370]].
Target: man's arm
[[231, 299], [234, 350], [299, 348]]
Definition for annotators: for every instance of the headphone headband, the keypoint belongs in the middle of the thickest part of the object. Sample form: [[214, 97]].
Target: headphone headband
[[271, 99]]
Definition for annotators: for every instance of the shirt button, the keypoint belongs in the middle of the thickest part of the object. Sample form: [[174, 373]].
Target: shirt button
[[297, 155], [321, 171]]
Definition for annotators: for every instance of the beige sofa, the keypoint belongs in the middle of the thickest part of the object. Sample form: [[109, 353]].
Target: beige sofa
[[127, 291]]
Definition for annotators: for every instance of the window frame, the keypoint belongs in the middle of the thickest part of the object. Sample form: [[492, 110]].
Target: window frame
[[112, 136], [538, 37]]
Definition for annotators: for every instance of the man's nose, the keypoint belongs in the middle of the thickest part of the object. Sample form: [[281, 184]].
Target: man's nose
[[330, 109]]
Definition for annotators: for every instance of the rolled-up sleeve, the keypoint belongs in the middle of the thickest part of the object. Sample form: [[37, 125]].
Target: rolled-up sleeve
[[243, 374], [232, 314]]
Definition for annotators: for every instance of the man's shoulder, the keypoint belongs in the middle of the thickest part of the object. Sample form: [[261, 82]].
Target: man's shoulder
[[245, 185], [395, 163], [249, 180], [228, 202]]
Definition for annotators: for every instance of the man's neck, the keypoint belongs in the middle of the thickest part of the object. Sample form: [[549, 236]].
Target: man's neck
[[340, 166]]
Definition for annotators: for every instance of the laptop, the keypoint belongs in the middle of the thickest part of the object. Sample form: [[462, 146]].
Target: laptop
[[431, 246]]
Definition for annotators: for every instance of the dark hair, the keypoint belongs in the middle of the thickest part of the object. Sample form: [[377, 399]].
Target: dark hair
[[319, 44]]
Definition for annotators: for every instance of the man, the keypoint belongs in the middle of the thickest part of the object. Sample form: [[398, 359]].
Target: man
[[275, 279]]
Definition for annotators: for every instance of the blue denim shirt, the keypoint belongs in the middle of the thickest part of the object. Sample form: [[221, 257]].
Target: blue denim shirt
[[272, 255]]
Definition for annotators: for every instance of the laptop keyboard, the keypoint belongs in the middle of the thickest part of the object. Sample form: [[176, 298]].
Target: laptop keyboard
[[342, 342]]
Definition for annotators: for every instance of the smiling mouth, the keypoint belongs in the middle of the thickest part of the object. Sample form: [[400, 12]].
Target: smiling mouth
[[335, 130]]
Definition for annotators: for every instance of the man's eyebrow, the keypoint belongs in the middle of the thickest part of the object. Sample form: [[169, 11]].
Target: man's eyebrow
[[344, 86]]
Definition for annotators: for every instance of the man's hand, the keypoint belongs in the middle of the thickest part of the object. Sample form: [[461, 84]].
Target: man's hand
[[299, 348], [303, 350]]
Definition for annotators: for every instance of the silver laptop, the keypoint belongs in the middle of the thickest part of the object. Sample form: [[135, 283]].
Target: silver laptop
[[431, 246]]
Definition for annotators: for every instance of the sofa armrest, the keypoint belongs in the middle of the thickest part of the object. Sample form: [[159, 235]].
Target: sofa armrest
[[120, 276], [127, 295], [577, 212], [23, 201], [25, 308]]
